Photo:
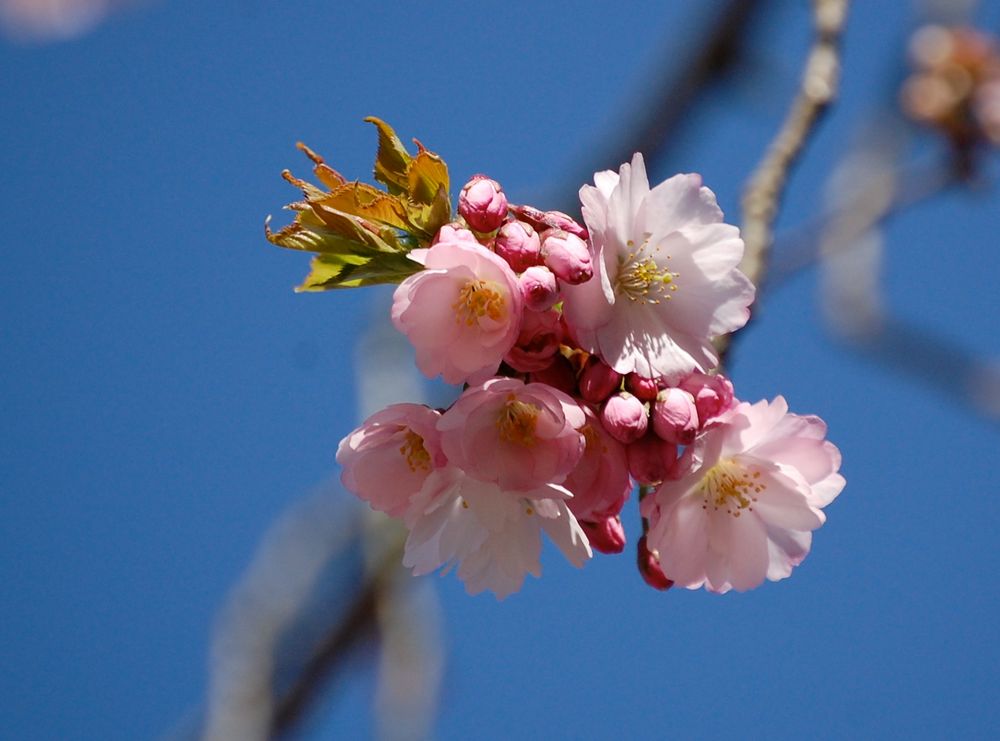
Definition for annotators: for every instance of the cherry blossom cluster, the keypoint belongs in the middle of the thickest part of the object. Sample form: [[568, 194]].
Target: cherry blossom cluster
[[955, 85], [588, 368]]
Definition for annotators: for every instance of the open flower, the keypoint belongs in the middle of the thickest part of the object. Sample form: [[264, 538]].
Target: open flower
[[518, 436], [462, 312], [386, 460], [746, 507], [493, 537], [665, 275]]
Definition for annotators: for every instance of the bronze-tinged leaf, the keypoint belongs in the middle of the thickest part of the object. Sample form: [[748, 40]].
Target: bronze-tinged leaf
[[366, 201], [296, 236], [425, 177], [429, 217], [392, 160], [352, 227], [308, 189]]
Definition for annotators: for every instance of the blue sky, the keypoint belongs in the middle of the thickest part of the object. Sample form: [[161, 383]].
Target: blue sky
[[165, 395]]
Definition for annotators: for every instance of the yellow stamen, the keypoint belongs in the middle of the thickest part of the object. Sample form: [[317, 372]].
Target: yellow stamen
[[642, 279], [517, 421], [729, 485], [479, 298], [417, 457]]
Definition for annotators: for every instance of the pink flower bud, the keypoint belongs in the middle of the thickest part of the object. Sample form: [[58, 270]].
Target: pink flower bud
[[539, 288], [713, 395], [598, 381], [559, 375], [606, 536], [454, 232], [645, 388], [649, 567], [517, 242], [543, 220], [651, 459], [675, 417], [567, 256], [483, 204], [624, 417], [537, 342]]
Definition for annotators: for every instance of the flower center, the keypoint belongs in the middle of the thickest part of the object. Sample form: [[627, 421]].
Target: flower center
[[730, 486], [417, 457], [479, 298], [517, 421], [642, 279]]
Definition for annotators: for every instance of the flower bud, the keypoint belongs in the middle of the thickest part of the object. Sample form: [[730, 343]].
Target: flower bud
[[517, 242], [645, 388], [454, 232], [675, 417], [624, 417], [567, 256], [649, 567], [559, 375], [598, 381], [543, 220], [712, 394], [537, 342], [650, 459], [606, 536], [483, 204], [539, 288]]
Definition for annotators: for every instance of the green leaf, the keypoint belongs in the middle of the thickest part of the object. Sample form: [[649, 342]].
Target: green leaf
[[350, 271]]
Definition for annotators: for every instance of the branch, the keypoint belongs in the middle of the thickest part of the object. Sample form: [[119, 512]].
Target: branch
[[818, 88]]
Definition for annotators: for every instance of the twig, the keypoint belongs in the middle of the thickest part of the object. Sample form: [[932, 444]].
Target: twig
[[818, 88]]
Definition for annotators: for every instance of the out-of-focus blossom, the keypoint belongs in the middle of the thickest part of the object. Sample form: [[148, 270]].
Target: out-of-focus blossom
[[625, 417], [386, 460], [55, 20], [665, 275], [950, 88], [517, 242], [482, 204], [493, 535], [746, 507], [462, 312], [518, 436]]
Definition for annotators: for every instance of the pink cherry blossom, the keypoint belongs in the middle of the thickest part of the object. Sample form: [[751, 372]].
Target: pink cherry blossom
[[600, 482], [539, 288], [625, 417], [537, 342], [494, 536], [387, 459], [713, 394], [482, 204], [665, 275], [517, 242], [746, 507], [462, 312], [515, 435], [598, 381], [675, 416]]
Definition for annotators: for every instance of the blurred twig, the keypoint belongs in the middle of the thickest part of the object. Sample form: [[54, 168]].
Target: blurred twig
[[818, 88]]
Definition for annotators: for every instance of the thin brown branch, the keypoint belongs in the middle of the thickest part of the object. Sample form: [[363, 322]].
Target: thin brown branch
[[818, 88]]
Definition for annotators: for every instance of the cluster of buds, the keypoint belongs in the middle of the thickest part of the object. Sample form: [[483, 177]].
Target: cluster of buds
[[955, 86], [587, 365]]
